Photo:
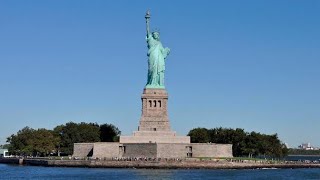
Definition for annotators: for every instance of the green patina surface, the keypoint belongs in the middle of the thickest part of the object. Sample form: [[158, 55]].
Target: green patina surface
[[157, 55]]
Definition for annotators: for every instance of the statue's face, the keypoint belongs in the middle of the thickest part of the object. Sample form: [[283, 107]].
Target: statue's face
[[156, 35]]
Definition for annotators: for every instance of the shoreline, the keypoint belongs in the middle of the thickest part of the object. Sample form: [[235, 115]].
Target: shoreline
[[185, 164], [304, 155]]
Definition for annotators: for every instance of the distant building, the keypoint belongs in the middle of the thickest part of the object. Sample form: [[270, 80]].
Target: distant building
[[4, 153], [306, 146]]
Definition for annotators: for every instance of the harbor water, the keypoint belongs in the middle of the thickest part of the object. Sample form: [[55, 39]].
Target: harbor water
[[38, 172]]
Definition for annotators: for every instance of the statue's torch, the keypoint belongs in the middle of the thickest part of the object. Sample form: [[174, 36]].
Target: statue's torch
[[147, 21]]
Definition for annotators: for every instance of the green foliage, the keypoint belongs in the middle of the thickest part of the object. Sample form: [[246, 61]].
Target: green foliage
[[71, 133], [109, 133], [29, 142], [5, 146], [244, 143], [303, 152], [42, 142], [199, 135]]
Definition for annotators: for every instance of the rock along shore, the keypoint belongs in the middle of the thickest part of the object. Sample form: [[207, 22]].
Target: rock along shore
[[159, 164]]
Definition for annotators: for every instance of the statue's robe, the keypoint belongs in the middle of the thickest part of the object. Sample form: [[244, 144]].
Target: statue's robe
[[156, 63]]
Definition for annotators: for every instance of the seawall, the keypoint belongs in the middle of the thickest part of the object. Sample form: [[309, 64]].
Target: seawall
[[158, 164], [11, 161]]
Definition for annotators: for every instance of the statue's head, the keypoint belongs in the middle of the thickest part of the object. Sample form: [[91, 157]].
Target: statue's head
[[156, 35]]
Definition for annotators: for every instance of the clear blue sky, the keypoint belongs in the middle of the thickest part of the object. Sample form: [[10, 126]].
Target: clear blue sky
[[248, 64]]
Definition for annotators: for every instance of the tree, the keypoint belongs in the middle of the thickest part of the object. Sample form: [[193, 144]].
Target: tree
[[19, 143], [199, 135], [77, 133], [33, 142], [42, 142], [5, 146], [109, 133], [243, 143]]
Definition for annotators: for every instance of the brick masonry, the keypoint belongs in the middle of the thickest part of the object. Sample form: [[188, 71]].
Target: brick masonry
[[211, 150], [82, 149], [154, 115], [108, 150], [154, 126], [140, 150], [152, 150]]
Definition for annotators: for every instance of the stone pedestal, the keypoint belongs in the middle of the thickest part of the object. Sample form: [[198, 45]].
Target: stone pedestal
[[155, 137], [154, 126], [154, 115]]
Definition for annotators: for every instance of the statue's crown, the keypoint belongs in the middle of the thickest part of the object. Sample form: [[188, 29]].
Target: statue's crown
[[156, 30]]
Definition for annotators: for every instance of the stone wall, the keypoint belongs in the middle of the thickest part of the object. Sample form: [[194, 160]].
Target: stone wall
[[160, 150], [106, 150], [174, 164], [154, 133], [211, 150], [172, 150], [140, 150], [154, 139], [82, 149], [178, 164]]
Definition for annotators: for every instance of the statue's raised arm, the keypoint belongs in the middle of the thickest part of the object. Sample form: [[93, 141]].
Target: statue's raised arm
[[147, 21]]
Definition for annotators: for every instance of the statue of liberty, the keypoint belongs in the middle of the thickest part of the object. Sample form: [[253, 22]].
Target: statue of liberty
[[156, 58]]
